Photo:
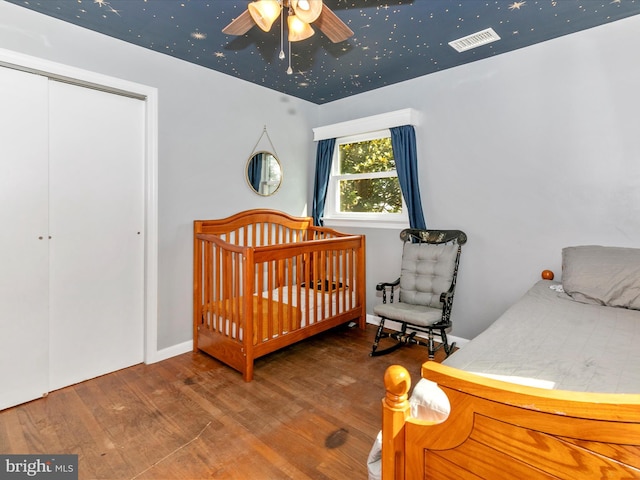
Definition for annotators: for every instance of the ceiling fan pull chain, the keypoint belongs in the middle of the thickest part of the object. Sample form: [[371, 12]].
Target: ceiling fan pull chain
[[290, 12], [281, 56]]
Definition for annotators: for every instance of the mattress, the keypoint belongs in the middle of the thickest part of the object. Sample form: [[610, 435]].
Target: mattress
[[548, 340], [319, 304], [336, 300]]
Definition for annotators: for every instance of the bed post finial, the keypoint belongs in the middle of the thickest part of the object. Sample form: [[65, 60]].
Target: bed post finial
[[395, 410], [397, 383]]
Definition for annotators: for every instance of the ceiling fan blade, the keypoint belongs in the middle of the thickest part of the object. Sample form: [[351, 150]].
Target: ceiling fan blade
[[334, 28], [240, 25]]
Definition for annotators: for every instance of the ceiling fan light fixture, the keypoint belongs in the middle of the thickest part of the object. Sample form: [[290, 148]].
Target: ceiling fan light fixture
[[307, 10], [264, 13], [298, 30], [301, 13]]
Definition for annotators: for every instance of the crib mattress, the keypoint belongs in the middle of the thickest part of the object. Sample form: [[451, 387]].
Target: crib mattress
[[273, 316], [546, 339], [283, 317], [331, 300]]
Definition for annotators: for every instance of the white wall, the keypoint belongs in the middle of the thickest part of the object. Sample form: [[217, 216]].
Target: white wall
[[208, 126], [527, 152]]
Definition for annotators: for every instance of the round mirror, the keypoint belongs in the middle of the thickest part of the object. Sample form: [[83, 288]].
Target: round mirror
[[264, 174]]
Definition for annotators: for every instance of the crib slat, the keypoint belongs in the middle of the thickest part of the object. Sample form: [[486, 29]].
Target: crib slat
[[342, 289], [207, 286], [290, 282], [270, 304], [280, 327], [307, 285], [217, 289]]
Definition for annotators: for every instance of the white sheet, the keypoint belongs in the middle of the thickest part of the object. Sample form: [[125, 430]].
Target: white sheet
[[334, 299]]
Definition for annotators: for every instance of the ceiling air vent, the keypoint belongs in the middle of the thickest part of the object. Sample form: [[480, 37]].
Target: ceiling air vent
[[475, 40]]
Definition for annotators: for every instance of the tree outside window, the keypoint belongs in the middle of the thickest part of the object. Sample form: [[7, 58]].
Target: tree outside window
[[367, 177]]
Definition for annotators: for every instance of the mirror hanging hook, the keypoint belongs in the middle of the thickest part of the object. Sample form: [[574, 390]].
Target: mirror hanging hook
[[265, 132]]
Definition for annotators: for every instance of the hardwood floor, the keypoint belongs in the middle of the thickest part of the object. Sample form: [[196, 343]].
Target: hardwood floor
[[312, 412]]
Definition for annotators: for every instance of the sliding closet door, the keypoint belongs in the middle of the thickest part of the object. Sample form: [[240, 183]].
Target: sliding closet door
[[97, 233], [23, 237]]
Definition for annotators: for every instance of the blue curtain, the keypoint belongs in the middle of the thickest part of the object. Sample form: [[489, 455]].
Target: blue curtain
[[255, 171], [403, 142], [324, 156]]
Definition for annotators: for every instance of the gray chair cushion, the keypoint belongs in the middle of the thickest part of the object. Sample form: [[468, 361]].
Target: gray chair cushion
[[427, 272], [406, 312]]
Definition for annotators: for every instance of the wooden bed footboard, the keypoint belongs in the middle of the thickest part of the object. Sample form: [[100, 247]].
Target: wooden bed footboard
[[264, 280], [500, 430]]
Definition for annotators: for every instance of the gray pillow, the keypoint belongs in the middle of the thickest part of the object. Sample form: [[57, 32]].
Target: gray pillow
[[602, 275]]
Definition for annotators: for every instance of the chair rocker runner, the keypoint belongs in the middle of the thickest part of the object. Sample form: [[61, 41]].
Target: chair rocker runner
[[424, 290]]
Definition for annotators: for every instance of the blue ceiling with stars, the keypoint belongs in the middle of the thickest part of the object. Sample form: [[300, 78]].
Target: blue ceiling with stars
[[393, 40]]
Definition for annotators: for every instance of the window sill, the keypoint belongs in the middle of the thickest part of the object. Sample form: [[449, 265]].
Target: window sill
[[364, 223]]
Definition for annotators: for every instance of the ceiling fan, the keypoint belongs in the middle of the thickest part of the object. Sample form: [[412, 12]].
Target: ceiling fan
[[300, 15]]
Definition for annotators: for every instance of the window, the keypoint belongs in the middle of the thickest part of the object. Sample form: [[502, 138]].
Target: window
[[364, 183]]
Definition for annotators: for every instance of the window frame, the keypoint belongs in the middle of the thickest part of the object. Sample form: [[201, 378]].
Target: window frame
[[333, 217]]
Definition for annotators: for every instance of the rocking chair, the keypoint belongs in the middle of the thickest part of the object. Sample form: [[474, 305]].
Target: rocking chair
[[424, 290]]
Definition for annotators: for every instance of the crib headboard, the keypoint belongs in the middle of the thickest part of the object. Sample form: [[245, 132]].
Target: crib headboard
[[258, 227]]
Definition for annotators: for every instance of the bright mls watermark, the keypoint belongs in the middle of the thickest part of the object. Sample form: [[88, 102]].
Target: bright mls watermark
[[39, 467]]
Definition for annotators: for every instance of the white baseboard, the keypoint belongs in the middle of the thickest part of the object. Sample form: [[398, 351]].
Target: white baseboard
[[169, 352], [187, 346], [375, 320]]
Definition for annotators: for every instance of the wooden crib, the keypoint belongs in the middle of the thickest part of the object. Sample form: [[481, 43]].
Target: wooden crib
[[264, 279]]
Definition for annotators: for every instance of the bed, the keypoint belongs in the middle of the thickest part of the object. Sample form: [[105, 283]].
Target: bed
[[549, 390], [264, 279]]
